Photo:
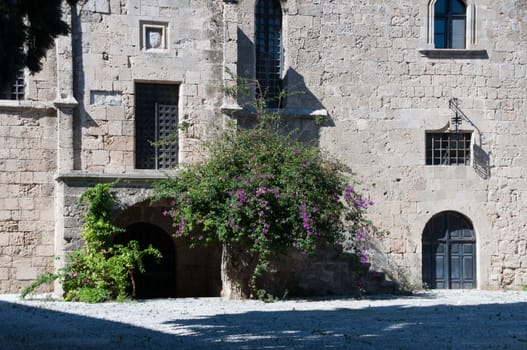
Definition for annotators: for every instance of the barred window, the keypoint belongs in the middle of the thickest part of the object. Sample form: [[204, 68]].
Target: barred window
[[268, 45], [156, 126], [15, 90], [449, 24], [448, 148]]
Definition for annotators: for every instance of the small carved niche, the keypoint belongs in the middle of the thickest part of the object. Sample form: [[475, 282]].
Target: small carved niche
[[153, 36]]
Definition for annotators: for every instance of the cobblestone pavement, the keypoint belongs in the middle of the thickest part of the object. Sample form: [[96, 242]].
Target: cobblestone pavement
[[425, 320]]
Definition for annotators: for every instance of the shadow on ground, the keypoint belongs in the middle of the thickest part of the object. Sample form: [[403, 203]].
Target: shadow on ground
[[490, 326]]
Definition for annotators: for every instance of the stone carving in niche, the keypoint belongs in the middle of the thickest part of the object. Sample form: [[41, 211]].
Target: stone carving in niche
[[153, 36]]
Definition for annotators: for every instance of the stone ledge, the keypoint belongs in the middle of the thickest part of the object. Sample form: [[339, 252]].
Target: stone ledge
[[68, 102], [139, 176], [301, 112], [455, 53], [26, 104], [307, 113]]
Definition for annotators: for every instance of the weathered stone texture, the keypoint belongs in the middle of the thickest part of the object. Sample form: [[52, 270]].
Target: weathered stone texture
[[113, 59], [370, 65], [27, 164]]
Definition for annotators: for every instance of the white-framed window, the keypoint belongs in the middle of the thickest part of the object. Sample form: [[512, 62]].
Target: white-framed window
[[451, 24]]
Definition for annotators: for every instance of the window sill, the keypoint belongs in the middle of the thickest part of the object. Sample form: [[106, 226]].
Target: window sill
[[26, 104], [138, 175], [301, 112], [455, 53]]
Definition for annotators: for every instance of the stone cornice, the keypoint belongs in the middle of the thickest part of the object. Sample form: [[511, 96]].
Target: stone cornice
[[26, 104], [136, 176]]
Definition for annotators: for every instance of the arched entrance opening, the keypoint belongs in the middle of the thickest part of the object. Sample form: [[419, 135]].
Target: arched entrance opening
[[183, 271], [449, 252], [159, 278]]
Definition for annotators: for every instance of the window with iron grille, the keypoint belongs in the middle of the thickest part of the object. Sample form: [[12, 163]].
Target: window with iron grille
[[449, 24], [268, 45], [448, 148], [156, 126], [15, 90]]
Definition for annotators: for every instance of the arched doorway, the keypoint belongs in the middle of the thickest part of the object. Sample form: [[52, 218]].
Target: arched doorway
[[159, 278], [449, 252]]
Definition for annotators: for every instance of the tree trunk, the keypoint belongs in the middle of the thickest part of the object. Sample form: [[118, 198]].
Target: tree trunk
[[237, 268]]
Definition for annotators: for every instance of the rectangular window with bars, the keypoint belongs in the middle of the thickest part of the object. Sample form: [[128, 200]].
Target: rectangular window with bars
[[15, 90], [448, 148], [156, 126]]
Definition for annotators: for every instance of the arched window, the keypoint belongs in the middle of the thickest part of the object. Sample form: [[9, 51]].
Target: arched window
[[268, 45], [450, 24]]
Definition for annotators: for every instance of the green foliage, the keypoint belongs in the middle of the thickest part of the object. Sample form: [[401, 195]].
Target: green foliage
[[267, 192], [102, 270], [42, 279]]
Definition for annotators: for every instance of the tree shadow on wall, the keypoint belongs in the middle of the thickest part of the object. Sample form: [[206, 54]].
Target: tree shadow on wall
[[301, 110]]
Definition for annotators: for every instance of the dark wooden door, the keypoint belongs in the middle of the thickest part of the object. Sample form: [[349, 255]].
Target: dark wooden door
[[449, 252]]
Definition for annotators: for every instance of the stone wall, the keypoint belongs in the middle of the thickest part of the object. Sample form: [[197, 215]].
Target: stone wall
[[369, 66], [372, 67], [28, 143], [110, 41], [27, 163]]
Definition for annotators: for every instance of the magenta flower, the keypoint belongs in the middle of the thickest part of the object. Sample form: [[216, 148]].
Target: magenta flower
[[363, 259]]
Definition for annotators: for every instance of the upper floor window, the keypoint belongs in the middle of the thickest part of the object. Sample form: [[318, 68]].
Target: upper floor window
[[450, 148], [450, 24], [268, 45], [15, 90], [156, 126]]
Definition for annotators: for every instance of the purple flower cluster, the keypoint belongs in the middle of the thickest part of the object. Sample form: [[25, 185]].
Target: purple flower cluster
[[181, 227], [363, 203], [240, 196], [307, 219]]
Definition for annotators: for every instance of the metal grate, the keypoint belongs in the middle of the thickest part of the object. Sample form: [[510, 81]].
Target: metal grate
[[268, 39], [16, 91], [156, 126], [448, 148], [167, 129]]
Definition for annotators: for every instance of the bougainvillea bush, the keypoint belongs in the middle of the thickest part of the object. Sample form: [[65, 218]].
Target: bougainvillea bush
[[265, 193]]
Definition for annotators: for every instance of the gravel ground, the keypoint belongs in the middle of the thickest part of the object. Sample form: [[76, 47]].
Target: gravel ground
[[434, 320]]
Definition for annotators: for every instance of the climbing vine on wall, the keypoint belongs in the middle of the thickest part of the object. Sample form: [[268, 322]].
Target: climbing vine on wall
[[100, 270]]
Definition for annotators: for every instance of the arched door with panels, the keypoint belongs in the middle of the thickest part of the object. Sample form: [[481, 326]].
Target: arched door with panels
[[449, 252]]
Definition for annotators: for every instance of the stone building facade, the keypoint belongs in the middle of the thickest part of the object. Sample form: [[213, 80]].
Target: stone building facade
[[425, 100]]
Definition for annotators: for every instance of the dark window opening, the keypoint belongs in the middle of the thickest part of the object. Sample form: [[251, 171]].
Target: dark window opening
[[15, 90], [448, 148], [449, 24], [268, 45], [156, 126]]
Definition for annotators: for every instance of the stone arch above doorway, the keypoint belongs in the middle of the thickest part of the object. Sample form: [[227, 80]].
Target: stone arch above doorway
[[159, 278], [449, 252], [195, 271]]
